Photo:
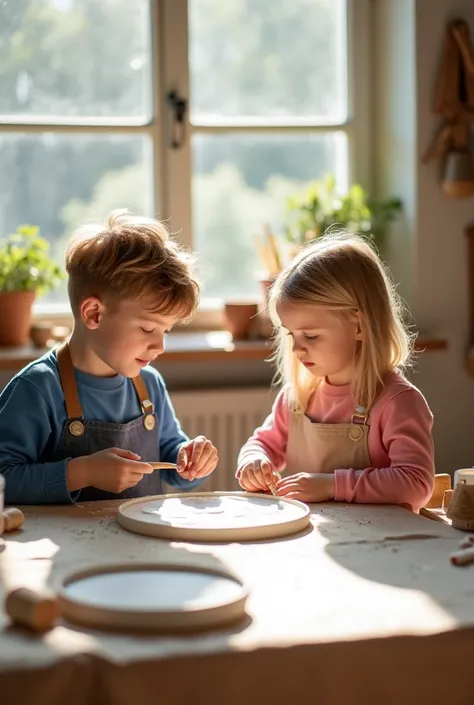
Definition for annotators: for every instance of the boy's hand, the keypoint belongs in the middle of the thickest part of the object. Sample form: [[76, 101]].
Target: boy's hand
[[112, 470], [257, 475], [197, 458], [307, 487]]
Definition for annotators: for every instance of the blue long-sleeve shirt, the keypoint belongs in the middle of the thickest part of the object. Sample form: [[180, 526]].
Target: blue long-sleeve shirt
[[33, 413]]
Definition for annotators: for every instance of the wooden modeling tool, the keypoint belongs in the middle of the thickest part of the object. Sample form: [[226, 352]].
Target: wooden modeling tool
[[463, 557], [163, 466], [272, 484]]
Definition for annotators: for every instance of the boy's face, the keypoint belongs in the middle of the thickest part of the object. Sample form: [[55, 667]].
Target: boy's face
[[125, 336]]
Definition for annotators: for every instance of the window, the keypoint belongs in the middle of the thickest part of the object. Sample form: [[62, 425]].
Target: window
[[85, 124]]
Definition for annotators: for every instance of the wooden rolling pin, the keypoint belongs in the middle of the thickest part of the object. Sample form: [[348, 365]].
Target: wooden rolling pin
[[13, 519], [36, 609]]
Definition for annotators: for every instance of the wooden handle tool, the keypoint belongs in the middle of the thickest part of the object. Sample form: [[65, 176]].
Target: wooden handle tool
[[163, 466], [464, 557]]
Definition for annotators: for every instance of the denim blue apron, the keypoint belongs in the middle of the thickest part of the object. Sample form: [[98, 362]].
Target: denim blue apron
[[81, 436]]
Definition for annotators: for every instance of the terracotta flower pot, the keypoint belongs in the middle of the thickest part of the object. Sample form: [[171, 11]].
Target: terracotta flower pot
[[41, 333], [265, 286], [15, 317], [240, 318]]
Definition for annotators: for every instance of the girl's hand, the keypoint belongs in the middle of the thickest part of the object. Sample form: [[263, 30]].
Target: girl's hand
[[257, 475], [307, 487], [197, 458]]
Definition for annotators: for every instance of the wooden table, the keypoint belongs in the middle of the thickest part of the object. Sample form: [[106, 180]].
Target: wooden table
[[363, 608]]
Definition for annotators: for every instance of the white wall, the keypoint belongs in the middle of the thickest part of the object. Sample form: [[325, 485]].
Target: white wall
[[429, 249], [394, 119]]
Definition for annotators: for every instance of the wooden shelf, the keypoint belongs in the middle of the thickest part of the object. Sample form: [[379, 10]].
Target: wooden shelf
[[430, 344], [214, 346]]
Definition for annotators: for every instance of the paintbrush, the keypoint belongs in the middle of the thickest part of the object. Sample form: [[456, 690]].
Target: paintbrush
[[264, 254], [273, 250]]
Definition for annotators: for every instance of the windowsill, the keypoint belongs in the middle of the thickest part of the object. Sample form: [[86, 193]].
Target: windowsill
[[209, 316], [196, 346]]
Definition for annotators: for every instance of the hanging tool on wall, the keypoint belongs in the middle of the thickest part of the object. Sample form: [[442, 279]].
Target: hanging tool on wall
[[470, 285], [454, 100]]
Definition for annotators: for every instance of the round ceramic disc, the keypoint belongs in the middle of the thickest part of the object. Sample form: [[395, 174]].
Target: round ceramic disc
[[214, 516], [152, 597]]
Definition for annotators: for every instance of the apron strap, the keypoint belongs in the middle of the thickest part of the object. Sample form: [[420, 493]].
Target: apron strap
[[359, 418], [146, 404], [143, 396], [71, 397], [68, 382]]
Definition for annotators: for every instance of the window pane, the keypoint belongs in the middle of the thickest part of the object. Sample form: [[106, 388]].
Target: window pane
[[83, 58], [241, 182], [59, 181], [268, 58]]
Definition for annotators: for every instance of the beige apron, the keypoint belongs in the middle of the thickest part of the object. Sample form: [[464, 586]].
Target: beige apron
[[321, 447]]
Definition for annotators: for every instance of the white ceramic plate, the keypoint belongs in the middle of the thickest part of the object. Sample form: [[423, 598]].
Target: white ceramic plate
[[152, 597], [214, 516]]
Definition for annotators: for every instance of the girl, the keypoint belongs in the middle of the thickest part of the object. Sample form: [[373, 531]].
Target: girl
[[347, 425]]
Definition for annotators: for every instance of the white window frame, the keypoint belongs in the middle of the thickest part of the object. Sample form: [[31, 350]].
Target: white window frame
[[172, 195]]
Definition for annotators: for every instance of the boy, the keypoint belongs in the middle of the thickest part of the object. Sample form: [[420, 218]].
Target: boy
[[85, 421]]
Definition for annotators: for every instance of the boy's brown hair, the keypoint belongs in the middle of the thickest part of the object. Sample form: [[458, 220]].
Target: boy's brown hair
[[131, 257]]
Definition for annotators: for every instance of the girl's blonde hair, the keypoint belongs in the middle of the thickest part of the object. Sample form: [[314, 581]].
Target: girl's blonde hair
[[342, 272]]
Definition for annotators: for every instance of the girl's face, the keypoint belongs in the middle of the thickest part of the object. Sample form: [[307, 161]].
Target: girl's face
[[324, 341]]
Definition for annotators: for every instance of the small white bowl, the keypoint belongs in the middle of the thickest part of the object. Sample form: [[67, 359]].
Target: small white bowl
[[466, 474]]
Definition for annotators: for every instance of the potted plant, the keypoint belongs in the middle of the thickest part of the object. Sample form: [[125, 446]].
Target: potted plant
[[26, 270], [320, 206]]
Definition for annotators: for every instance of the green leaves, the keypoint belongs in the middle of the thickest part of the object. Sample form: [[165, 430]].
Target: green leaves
[[320, 206], [25, 264]]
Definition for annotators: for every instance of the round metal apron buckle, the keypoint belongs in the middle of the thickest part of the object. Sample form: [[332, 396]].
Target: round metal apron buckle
[[356, 432], [76, 428], [149, 422]]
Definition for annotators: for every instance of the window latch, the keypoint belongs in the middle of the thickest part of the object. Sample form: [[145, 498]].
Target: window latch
[[178, 106]]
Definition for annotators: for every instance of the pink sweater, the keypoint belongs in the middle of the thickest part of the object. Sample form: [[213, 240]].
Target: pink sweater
[[400, 443]]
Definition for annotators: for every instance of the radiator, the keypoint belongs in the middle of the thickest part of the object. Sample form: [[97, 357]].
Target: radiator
[[227, 417]]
